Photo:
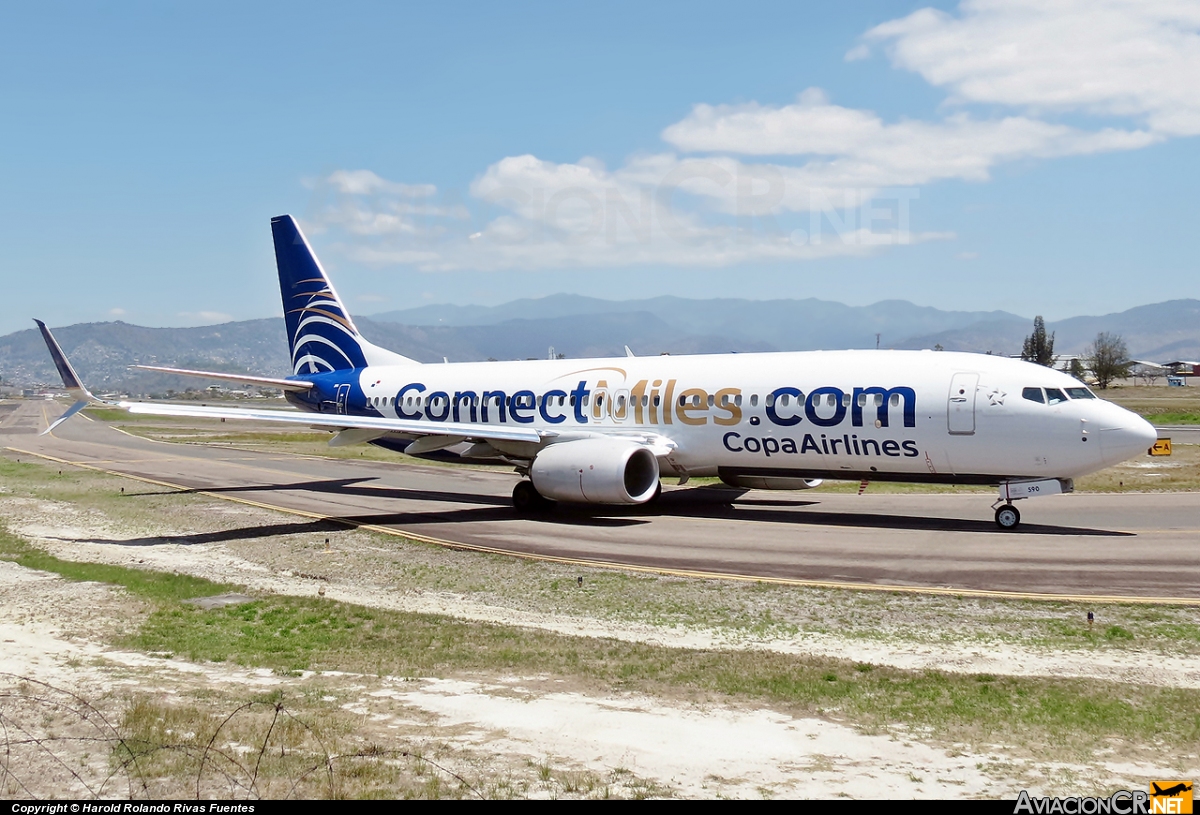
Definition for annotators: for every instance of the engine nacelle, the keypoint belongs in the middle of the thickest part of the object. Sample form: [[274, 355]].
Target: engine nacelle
[[596, 471], [762, 482]]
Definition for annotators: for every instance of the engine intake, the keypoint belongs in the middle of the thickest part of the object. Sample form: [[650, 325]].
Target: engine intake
[[596, 471]]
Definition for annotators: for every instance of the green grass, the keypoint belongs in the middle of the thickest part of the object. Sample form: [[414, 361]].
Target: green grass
[[142, 583], [1178, 472], [119, 416], [1156, 401], [266, 438], [294, 634], [1167, 418]]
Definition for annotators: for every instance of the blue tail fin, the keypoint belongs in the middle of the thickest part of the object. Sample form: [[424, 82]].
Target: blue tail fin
[[321, 334]]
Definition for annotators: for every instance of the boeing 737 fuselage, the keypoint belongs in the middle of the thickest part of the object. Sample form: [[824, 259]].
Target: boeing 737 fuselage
[[604, 431]]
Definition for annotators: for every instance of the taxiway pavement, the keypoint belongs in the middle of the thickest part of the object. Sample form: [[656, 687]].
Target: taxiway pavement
[[1114, 545]]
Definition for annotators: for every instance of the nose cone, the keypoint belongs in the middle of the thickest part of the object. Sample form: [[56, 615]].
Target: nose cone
[[1132, 436]]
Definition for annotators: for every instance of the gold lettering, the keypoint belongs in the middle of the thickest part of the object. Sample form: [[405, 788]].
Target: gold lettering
[[689, 397], [599, 397], [639, 390], [724, 401]]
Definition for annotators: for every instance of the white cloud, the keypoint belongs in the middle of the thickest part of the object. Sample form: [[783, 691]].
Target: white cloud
[[814, 126], [362, 203], [753, 183], [653, 210], [365, 182], [855, 148], [117, 312], [1126, 58], [206, 317], [860, 51], [657, 209], [577, 197], [711, 247]]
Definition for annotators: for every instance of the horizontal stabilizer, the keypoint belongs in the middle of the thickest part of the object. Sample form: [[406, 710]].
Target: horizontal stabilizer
[[264, 381]]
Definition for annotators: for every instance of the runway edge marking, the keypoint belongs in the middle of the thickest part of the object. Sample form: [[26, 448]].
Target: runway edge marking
[[629, 567]]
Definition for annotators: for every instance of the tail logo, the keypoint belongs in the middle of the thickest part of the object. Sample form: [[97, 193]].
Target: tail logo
[[324, 338], [321, 335]]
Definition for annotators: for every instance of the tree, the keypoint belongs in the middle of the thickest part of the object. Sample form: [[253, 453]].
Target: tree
[[1108, 358], [1037, 347]]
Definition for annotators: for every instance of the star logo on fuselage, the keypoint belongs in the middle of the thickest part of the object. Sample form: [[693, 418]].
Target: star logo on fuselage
[[996, 397]]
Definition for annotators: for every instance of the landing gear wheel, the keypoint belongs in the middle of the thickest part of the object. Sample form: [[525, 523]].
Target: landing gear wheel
[[1007, 517], [527, 500]]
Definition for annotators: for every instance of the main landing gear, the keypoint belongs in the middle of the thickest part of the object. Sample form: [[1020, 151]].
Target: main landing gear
[[528, 501], [1007, 517]]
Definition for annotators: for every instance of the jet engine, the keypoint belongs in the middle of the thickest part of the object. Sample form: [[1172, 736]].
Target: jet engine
[[760, 482], [596, 471]]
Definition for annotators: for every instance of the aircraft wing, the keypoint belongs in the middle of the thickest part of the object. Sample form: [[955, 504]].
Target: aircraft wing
[[70, 379], [339, 421], [265, 381], [364, 428]]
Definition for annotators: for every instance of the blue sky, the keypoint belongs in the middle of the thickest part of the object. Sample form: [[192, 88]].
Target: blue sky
[[1034, 157]]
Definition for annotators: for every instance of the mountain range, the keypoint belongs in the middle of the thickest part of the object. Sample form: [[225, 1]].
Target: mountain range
[[577, 326]]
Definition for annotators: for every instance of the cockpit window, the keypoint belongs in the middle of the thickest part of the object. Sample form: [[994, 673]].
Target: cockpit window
[[1034, 395], [1080, 393], [1054, 396]]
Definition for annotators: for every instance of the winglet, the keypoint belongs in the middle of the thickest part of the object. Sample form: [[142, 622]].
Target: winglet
[[70, 379], [628, 352]]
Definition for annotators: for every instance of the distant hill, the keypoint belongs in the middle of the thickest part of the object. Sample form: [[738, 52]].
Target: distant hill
[[103, 352], [779, 324], [588, 335], [582, 327], [1159, 332]]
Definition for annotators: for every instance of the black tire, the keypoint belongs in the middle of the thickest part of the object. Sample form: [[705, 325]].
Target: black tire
[[1008, 517], [527, 500]]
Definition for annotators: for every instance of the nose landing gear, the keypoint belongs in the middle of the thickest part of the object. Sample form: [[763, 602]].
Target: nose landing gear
[[1007, 516]]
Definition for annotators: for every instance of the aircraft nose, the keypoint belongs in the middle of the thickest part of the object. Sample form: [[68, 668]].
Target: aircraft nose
[[1134, 436]]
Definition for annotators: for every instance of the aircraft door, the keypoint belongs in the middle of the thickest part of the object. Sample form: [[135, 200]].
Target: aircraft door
[[960, 411], [343, 393]]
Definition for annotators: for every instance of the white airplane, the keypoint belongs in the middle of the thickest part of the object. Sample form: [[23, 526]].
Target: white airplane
[[603, 431]]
